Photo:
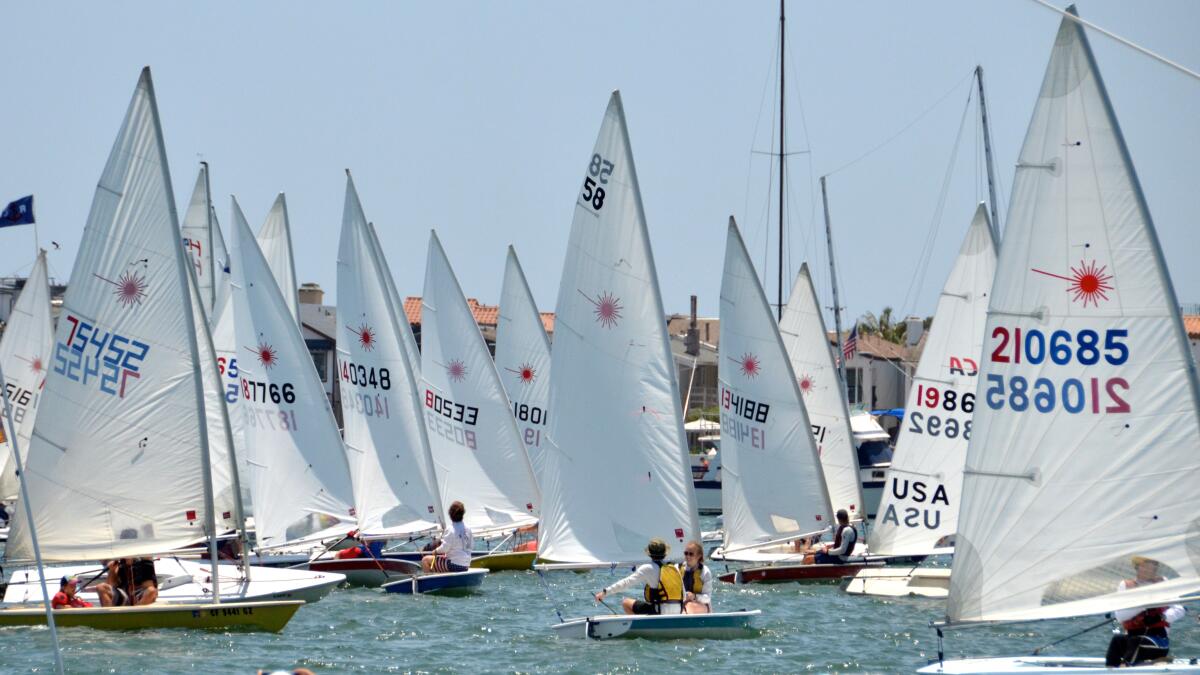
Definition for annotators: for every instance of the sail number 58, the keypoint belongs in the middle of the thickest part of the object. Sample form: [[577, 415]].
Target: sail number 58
[[598, 172]]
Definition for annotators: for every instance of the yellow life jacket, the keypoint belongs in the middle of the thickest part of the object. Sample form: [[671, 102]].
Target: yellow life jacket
[[670, 586], [693, 580]]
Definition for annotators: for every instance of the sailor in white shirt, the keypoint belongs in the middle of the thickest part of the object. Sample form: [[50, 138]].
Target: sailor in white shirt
[[1146, 628], [662, 584], [453, 553]]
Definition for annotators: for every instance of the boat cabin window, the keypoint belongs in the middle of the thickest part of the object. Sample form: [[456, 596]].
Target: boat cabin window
[[874, 453]]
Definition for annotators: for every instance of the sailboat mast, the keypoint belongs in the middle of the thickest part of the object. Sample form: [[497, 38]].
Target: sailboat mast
[[779, 295], [208, 213], [987, 153], [837, 308], [37, 550]]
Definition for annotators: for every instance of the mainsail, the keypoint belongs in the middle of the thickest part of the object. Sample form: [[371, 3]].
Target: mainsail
[[198, 241], [275, 242], [1087, 436], [615, 471], [803, 331], [298, 471], [478, 454], [407, 339], [386, 446], [116, 464], [919, 509], [771, 484], [25, 353], [523, 358]]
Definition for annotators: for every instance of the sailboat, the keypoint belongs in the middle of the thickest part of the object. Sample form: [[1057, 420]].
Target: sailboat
[[615, 472], [25, 354], [478, 453], [407, 339], [200, 235], [1083, 454], [918, 514], [131, 475], [275, 241]]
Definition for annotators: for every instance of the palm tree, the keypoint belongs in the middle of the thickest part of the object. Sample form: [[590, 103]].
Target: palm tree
[[883, 326]]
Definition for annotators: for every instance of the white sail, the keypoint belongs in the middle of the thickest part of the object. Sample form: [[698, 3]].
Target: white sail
[[771, 480], [407, 339], [198, 241], [298, 471], [919, 509], [1087, 433], [224, 279], [478, 454], [224, 340], [25, 354], [615, 471], [523, 359], [386, 445], [115, 461], [803, 330], [275, 242]]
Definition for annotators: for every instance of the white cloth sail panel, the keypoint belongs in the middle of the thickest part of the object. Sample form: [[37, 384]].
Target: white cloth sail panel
[[198, 242], [523, 359], [298, 471], [407, 338], [919, 507], [1087, 437], [275, 242], [479, 457], [114, 466], [25, 354], [221, 270], [615, 471], [771, 480], [224, 340], [803, 331], [386, 447]]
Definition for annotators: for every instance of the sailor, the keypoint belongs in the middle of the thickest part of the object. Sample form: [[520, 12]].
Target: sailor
[[662, 584], [131, 581], [1145, 637], [453, 551], [697, 580], [844, 538], [65, 597]]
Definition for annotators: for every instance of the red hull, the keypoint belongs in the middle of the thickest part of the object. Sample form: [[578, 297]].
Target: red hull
[[366, 571], [773, 574]]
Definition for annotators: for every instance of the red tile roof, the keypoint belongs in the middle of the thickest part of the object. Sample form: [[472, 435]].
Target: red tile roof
[[1191, 323], [485, 315]]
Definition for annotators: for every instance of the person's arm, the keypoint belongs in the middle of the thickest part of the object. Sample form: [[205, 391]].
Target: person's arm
[[1174, 613], [706, 589], [841, 549], [444, 542], [1123, 615], [639, 576]]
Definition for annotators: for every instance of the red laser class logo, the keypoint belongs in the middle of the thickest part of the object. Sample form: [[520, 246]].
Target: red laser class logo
[[36, 365], [748, 364], [130, 286], [608, 308], [267, 356], [456, 370], [1088, 282], [806, 384], [525, 373], [366, 336]]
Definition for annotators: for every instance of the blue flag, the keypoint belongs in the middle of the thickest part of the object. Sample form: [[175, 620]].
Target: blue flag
[[19, 212]]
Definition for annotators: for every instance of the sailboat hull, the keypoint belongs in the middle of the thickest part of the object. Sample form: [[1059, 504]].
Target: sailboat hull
[[776, 574], [715, 626], [254, 616], [1055, 664], [369, 572], [927, 582], [452, 583]]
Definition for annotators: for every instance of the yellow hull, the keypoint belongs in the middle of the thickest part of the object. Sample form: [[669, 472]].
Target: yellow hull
[[266, 616], [505, 562]]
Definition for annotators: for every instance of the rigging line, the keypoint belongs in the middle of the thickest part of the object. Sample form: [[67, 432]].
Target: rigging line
[[750, 159], [1128, 43], [906, 127], [812, 188]]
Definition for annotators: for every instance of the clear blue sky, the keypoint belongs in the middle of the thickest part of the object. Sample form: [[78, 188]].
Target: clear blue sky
[[477, 119]]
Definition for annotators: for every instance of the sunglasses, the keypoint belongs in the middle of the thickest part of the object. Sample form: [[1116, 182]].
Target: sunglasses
[[690, 554]]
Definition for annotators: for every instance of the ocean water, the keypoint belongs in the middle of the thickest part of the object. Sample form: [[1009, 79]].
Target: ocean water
[[505, 628]]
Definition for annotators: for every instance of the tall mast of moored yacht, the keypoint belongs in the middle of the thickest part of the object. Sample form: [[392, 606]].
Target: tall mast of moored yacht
[[782, 157], [987, 153], [837, 308]]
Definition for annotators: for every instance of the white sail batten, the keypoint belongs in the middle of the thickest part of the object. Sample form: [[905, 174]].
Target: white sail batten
[[772, 484], [386, 445], [1085, 447], [523, 358], [407, 338], [298, 471], [919, 507], [25, 352], [615, 471], [802, 328], [125, 476], [478, 454], [275, 242]]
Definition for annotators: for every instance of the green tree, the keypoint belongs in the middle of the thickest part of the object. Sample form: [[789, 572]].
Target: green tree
[[883, 326]]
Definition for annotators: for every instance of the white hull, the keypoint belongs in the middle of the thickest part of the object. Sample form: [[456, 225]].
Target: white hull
[[1055, 664], [927, 582], [186, 581], [718, 625]]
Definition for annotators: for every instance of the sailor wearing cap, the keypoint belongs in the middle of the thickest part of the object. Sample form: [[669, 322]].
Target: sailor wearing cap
[[662, 584], [65, 597]]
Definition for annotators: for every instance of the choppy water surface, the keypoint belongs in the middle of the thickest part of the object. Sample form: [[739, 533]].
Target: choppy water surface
[[505, 628]]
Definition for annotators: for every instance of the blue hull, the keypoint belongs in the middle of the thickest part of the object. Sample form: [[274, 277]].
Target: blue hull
[[452, 583], [715, 626]]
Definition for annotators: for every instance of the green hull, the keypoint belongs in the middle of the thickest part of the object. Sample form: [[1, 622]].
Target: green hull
[[505, 562], [256, 616]]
